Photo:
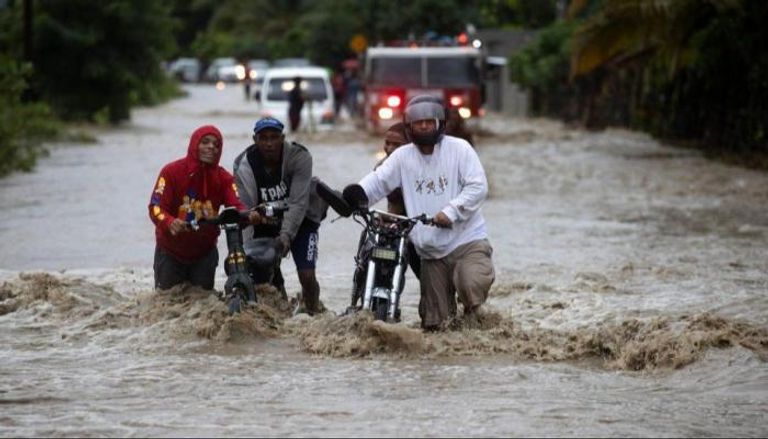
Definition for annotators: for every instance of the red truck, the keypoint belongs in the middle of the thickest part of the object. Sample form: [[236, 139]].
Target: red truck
[[392, 75]]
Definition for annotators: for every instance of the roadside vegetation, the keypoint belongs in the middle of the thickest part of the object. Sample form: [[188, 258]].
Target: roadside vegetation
[[692, 72], [76, 61], [23, 126], [83, 61]]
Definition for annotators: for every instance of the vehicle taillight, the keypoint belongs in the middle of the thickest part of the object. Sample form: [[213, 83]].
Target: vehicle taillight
[[394, 101]]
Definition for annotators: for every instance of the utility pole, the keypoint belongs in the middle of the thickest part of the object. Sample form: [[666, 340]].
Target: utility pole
[[27, 30]]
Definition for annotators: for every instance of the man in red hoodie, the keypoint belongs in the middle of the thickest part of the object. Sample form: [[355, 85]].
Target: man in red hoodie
[[190, 188]]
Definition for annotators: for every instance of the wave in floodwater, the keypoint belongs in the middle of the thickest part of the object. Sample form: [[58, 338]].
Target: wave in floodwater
[[189, 315]]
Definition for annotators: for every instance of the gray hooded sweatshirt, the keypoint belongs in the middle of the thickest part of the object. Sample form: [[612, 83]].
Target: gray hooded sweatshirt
[[303, 201]]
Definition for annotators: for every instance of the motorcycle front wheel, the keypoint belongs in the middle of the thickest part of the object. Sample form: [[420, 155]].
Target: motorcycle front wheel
[[234, 304], [380, 308], [236, 300]]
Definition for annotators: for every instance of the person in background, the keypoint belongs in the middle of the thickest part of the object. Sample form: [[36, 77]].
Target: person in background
[[352, 88], [295, 104], [337, 83], [455, 126], [394, 138], [273, 169], [247, 81], [190, 188]]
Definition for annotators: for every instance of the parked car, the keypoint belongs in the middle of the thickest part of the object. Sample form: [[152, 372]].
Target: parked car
[[257, 68], [232, 73], [185, 69], [315, 85], [222, 69]]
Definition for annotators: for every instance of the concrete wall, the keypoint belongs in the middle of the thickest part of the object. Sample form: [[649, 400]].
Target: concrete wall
[[502, 95]]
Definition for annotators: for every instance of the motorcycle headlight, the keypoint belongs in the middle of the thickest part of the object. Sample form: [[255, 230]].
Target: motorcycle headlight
[[385, 254]]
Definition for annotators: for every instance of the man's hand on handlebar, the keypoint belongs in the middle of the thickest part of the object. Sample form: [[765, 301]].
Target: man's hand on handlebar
[[254, 217], [283, 245], [178, 226], [442, 221]]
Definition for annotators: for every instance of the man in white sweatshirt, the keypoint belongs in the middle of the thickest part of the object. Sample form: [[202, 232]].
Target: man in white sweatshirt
[[441, 176]]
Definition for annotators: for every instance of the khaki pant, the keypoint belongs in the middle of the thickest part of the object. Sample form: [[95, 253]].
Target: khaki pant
[[468, 271]]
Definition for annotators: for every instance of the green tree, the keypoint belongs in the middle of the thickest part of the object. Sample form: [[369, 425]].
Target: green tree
[[321, 29], [543, 68], [190, 18], [529, 14], [328, 34], [23, 126], [101, 57], [689, 70]]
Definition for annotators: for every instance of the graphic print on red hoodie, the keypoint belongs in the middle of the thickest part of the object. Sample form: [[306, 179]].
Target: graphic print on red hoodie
[[190, 189]]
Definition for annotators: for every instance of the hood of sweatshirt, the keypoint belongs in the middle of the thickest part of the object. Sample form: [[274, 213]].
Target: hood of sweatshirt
[[197, 169], [194, 141]]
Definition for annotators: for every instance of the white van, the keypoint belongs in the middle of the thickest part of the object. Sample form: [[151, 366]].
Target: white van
[[316, 87]]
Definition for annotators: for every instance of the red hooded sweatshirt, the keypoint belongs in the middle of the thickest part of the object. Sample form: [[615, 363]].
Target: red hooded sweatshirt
[[190, 189]]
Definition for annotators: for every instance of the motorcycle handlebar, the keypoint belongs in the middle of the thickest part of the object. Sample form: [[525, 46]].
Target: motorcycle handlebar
[[227, 216], [231, 215], [373, 214], [271, 209], [353, 201]]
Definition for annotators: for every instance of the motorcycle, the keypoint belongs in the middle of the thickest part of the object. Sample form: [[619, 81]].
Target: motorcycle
[[381, 259], [250, 264]]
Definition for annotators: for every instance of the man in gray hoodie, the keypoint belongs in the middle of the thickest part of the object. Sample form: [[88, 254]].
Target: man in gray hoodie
[[273, 169]]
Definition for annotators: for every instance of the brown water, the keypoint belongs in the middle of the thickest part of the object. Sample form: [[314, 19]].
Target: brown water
[[630, 300]]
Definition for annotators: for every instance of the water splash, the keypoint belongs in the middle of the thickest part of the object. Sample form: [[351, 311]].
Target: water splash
[[186, 314], [633, 345]]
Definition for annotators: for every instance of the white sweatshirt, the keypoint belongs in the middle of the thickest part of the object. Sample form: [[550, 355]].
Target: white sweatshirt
[[451, 180]]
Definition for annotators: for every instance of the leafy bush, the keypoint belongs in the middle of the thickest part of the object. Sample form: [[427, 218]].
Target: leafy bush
[[684, 70], [543, 67], [23, 126]]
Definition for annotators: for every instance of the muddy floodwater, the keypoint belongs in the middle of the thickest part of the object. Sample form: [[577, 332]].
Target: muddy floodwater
[[631, 299]]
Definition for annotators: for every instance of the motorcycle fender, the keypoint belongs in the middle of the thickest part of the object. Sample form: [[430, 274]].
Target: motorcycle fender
[[381, 293]]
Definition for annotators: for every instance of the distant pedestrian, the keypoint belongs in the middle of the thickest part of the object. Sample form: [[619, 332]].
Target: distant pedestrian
[[247, 84], [352, 88], [295, 104], [337, 83]]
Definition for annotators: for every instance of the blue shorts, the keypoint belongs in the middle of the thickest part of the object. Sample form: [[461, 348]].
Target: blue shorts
[[304, 246]]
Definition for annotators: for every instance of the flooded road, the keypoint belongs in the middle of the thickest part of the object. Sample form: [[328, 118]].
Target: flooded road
[[630, 299]]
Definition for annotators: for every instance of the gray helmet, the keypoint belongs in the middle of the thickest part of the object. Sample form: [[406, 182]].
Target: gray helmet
[[424, 107]]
